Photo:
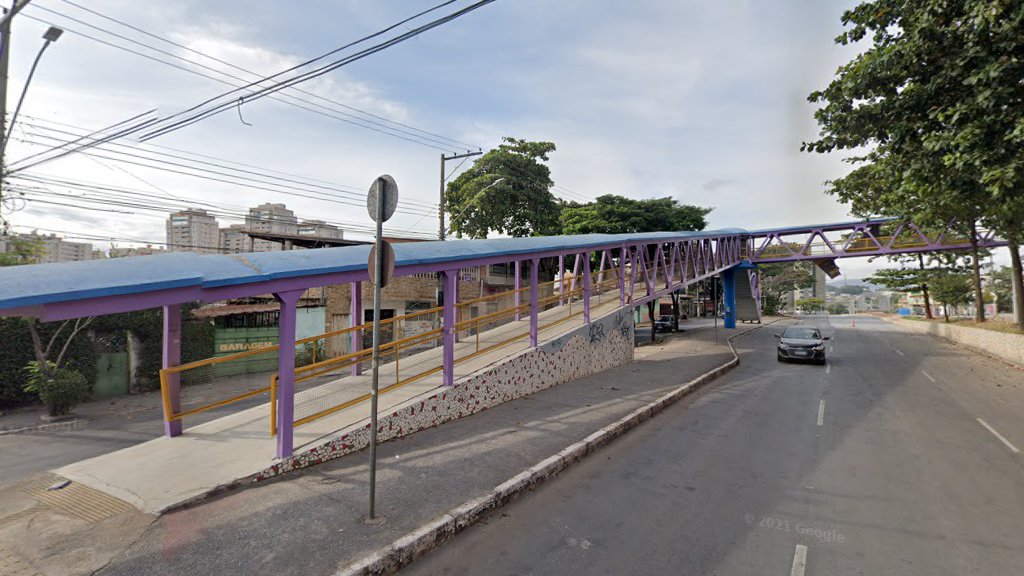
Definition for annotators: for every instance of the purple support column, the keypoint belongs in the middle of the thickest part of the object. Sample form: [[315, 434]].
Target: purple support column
[[534, 264], [451, 282], [517, 286], [286, 371], [622, 276], [355, 318], [172, 357], [586, 287], [561, 279]]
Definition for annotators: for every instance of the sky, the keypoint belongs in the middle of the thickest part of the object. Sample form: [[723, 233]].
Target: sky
[[702, 101]]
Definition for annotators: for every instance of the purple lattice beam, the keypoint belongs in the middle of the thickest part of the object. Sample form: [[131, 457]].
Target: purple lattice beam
[[860, 239]]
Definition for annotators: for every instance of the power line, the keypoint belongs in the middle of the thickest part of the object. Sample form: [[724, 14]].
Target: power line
[[381, 46], [259, 182], [284, 98], [239, 68], [132, 198], [247, 171], [197, 114]]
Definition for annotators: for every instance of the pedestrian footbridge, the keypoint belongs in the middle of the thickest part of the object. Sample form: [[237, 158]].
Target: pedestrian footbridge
[[315, 405]]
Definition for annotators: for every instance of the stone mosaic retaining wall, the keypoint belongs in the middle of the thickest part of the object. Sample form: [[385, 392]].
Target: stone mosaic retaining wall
[[1002, 345], [604, 343]]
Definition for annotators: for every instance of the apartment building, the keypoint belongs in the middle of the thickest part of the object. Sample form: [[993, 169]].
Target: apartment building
[[193, 230]]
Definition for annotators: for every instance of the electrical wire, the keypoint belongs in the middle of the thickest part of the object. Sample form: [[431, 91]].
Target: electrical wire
[[196, 113], [285, 99], [247, 173], [241, 69]]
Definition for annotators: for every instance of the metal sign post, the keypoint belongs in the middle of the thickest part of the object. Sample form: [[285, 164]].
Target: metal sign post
[[380, 203]]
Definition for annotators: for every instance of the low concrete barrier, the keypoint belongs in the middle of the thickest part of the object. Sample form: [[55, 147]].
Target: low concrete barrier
[[1000, 345]]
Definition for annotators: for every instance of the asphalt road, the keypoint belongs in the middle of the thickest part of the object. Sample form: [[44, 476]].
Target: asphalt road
[[897, 457]]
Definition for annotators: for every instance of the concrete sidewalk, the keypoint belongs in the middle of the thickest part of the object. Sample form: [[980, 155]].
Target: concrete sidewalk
[[166, 472], [311, 521]]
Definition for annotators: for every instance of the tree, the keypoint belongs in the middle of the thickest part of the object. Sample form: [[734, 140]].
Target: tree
[[836, 309], [852, 290], [898, 100], [58, 387], [810, 304], [777, 280], [1002, 289], [21, 250], [952, 289], [611, 214], [521, 205]]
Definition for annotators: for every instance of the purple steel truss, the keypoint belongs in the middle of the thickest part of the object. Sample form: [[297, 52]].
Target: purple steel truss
[[876, 237]]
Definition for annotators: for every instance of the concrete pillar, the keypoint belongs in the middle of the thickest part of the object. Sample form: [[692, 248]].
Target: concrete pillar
[[172, 357], [729, 297], [286, 371]]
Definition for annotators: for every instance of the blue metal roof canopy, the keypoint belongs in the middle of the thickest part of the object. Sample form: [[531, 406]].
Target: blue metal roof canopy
[[41, 284]]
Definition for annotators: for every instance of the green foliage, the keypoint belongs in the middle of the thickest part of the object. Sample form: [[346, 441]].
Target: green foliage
[[22, 250], [16, 353], [38, 373], [852, 289], [810, 304], [611, 214], [953, 289], [836, 308], [521, 205], [1003, 289], [777, 280], [932, 112], [900, 279], [60, 390]]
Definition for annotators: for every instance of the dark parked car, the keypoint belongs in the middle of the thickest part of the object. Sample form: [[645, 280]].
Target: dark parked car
[[802, 343], [666, 323]]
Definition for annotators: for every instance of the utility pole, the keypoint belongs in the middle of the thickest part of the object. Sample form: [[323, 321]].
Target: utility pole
[[444, 178], [5, 56], [441, 230]]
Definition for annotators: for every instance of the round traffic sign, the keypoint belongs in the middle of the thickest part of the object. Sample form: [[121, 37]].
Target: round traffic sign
[[389, 187]]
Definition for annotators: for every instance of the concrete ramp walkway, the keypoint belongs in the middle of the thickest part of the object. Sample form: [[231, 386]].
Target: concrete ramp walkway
[[165, 473]]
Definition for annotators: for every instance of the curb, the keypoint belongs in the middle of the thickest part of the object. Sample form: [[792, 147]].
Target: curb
[[979, 351], [67, 425], [415, 544]]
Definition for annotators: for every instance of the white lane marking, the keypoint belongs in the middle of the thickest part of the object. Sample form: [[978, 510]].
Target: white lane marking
[[821, 413], [900, 353], [828, 368], [799, 561], [927, 375], [1000, 436]]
